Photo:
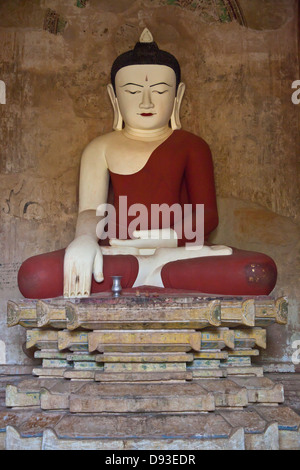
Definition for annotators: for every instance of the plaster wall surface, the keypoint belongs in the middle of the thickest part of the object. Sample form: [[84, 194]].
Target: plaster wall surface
[[238, 99]]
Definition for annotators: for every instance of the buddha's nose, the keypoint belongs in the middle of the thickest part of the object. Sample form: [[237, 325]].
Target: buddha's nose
[[146, 102]]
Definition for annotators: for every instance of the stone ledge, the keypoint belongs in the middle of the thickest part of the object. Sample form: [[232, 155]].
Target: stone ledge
[[53, 394], [156, 310], [254, 428]]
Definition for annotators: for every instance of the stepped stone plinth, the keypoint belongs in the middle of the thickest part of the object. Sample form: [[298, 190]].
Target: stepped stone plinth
[[147, 371]]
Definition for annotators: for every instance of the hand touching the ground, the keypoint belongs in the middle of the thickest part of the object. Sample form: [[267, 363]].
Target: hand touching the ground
[[83, 258]]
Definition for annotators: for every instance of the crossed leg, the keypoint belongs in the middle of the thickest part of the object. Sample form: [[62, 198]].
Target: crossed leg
[[150, 267], [241, 273]]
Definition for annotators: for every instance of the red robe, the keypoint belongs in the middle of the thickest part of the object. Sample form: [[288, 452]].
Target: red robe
[[180, 170]]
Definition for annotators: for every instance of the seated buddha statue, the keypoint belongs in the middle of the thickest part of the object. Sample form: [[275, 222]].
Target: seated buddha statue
[[150, 162]]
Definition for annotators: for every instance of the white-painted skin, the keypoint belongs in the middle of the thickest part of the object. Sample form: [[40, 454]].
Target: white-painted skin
[[140, 90]]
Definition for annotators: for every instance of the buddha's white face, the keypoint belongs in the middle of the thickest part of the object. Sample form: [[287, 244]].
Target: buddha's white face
[[146, 95]]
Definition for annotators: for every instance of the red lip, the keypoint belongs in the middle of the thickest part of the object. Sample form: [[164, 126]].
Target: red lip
[[146, 114]]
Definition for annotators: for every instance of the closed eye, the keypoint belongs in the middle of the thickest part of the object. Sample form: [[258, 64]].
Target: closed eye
[[133, 92], [159, 92]]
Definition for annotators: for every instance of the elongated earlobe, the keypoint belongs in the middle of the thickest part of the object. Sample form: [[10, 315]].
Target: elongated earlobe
[[118, 120], [175, 117]]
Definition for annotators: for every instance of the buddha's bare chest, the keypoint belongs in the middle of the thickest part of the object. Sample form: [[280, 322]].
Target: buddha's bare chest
[[130, 156]]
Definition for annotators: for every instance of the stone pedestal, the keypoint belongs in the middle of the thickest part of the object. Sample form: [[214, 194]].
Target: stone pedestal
[[147, 371]]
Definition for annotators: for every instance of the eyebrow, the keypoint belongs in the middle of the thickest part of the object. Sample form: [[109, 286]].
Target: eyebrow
[[136, 84], [142, 86], [160, 83]]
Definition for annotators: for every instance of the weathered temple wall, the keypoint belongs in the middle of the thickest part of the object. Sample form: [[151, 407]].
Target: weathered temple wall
[[238, 98]]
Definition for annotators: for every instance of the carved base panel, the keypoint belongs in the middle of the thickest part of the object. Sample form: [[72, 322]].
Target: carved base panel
[[260, 389], [147, 311], [141, 358], [254, 428], [218, 352], [55, 393]]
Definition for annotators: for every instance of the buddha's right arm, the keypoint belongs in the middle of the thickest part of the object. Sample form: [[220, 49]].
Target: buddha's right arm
[[83, 257]]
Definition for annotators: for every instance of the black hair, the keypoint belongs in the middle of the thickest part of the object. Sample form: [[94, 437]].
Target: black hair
[[145, 53]]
